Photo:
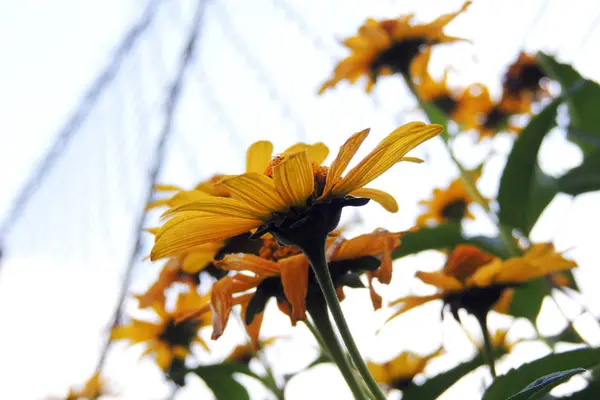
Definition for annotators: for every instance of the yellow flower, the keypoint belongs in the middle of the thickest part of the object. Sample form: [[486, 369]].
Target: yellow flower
[[479, 112], [243, 353], [389, 46], [476, 281], [448, 205], [295, 192], [523, 83], [168, 339], [92, 390], [283, 272], [400, 372]]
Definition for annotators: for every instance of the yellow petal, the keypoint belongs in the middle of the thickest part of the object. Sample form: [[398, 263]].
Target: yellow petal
[[248, 262], [345, 154], [294, 179], [221, 303], [219, 205], [317, 153], [187, 231], [440, 280], [136, 331], [258, 156], [257, 191], [166, 188], [385, 199], [409, 302], [196, 260], [294, 277], [164, 356], [389, 151], [486, 274], [502, 306]]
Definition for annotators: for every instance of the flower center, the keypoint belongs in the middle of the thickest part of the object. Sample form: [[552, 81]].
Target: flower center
[[528, 79], [495, 119], [180, 334], [398, 56], [455, 210], [274, 161], [445, 103], [271, 250]]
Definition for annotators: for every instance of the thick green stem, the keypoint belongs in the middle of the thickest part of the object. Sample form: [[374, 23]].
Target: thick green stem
[[316, 254], [488, 348], [325, 335]]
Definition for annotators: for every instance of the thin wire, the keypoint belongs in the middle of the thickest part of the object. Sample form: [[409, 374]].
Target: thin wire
[[586, 37], [535, 22], [172, 100], [72, 126]]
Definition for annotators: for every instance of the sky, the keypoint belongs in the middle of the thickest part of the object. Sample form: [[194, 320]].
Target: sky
[[255, 74]]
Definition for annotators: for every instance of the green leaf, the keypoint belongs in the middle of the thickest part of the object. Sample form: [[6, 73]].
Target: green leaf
[[569, 335], [445, 236], [582, 103], [435, 115], [219, 378], [542, 386], [584, 178], [434, 387], [528, 298], [504, 386], [524, 189]]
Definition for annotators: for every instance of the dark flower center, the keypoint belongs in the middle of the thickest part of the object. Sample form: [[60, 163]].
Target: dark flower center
[[179, 334], [495, 119], [529, 80], [402, 383], [445, 103], [475, 300], [455, 211], [398, 56]]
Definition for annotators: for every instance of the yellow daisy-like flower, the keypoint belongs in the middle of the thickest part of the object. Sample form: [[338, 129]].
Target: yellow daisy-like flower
[[477, 281], [523, 83], [93, 389], [400, 372], [479, 112], [389, 46], [283, 272], [448, 205], [295, 196], [169, 339]]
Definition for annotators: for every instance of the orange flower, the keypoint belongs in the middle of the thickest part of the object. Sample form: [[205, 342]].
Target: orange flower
[[523, 83], [400, 371]]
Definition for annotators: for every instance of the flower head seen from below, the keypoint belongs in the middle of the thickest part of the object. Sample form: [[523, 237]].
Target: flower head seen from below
[[295, 198], [399, 372], [477, 281], [448, 205], [283, 272], [169, 339], [524, 83], [244, 353], [389, 46]]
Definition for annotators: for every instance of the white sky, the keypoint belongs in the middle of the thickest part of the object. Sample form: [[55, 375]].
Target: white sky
[[62, 272]]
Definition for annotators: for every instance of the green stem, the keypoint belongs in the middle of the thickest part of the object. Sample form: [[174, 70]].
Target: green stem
[[325, 335], [316, 255], [488, 348]]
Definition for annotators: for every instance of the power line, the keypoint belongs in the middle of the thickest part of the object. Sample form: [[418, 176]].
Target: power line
[[172, 100], [72, 126]]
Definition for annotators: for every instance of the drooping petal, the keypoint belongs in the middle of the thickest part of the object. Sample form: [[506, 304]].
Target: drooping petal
[[189, 230], [221, 303], [294, 277], [502, 306], [248, 262], [345, 154], [440, 280], [256, 190], [386, 200], [409, 302], [389, 151], [164, 356], [219, 205], [136, 331], [196, 260], [294, 180], [258, 156], [156, 293], [253, 329]]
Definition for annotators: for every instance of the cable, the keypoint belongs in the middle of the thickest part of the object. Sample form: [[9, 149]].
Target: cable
[[72, 126], [173, 96]]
